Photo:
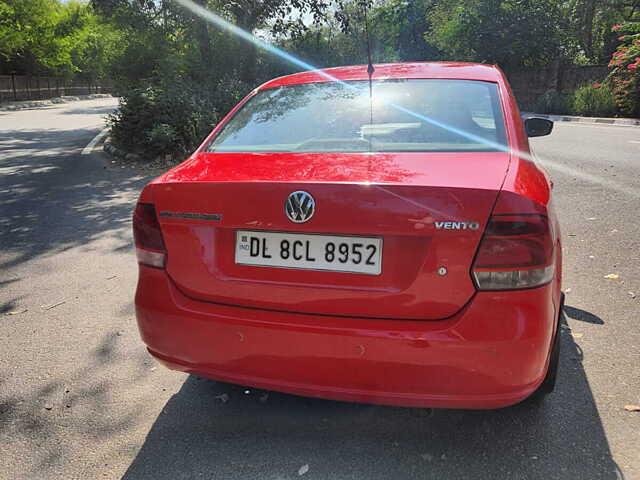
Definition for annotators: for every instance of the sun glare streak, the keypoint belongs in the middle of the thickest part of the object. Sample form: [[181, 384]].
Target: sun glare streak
[[226, 25]]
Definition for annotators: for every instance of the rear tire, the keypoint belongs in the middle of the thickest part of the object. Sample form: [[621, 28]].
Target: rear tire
[[548, 384]]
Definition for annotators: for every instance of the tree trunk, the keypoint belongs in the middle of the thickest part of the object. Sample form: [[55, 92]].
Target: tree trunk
[[203, 37], [248, 63], [586, 29]]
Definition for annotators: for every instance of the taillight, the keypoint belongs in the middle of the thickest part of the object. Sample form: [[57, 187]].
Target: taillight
[[516, 252], [150, 248]]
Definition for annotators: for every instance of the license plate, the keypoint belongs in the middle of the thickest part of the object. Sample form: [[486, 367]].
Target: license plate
[[310, 252]]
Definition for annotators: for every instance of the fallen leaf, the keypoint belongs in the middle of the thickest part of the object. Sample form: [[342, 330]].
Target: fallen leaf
[[576, 335], [17, 312], [112, 277], [53, 305], [224, 398], [303, 469], [632, 408], [632, 294], [612, 276]]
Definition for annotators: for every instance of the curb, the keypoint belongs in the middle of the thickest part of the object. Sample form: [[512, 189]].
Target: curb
[[116, 152], [625, 122], [124, 159], [53, 101]]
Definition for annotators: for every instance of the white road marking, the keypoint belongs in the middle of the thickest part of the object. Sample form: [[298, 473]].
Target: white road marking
[[90, 146]]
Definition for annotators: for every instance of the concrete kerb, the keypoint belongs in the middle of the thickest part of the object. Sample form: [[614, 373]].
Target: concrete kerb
[[52, 101], [624, 122]]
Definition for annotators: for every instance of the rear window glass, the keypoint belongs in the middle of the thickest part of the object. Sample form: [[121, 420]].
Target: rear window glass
[[397, 116]]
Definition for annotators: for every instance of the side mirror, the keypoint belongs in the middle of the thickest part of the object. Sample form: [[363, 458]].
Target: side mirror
[[538, 127]]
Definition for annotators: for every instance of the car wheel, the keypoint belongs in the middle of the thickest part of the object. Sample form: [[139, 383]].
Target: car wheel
[[548, 384]]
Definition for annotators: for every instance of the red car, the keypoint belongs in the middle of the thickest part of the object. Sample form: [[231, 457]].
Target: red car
[[380, 238]]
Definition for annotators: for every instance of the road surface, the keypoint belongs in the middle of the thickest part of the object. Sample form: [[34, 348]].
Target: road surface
[[80, 397]]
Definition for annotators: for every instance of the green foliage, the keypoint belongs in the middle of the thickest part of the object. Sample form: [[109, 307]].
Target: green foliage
[[172, 119], [399, 28], [177, 74], [625, 69], [590, 26], [510, 33], [48, 37], [595, 100]]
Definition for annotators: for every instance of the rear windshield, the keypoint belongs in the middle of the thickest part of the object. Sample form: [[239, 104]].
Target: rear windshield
[[396, 116]]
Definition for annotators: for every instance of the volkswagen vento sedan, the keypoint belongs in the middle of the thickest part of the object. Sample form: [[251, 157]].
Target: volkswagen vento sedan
[[385, 240]]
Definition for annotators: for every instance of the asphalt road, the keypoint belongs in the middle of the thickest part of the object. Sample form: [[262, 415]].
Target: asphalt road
[[80, 397]]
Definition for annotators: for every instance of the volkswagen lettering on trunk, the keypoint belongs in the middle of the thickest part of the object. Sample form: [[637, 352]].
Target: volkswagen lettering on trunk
[[384, 239]]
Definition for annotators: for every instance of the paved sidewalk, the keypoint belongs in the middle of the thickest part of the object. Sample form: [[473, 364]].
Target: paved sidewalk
[[626, 122], [27, 104]]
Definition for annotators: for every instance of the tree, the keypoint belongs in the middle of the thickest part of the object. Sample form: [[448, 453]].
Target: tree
[[592, 21], [47, 37], [400, 28], [28, 43], [510, 33], [252, 14], [625, 68]]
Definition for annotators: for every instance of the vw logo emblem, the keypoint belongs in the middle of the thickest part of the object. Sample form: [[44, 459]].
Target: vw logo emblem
[[300, 207]]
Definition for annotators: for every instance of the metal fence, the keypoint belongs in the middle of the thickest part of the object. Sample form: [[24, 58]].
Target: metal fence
[[27, 87]]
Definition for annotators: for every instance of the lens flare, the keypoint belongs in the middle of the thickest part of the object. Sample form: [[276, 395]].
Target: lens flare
[[235, 30]]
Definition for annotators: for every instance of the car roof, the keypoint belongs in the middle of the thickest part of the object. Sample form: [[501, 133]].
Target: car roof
[[439, 70]]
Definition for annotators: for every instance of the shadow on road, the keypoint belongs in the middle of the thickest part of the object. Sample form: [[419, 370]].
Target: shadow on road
[[82, 401], [52, 198], [582, 316], [248, 437]]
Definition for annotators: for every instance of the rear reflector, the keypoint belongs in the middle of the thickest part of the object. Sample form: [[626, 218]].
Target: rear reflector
[[147, 235], [153, 259], [516, 252]]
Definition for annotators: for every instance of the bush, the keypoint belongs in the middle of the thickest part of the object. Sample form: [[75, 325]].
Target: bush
[[595, 100], [172, 119], [625, 69], [551, 102]]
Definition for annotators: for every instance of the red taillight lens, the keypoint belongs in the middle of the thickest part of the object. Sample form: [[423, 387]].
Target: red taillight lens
[[147, 235], [515, 252]]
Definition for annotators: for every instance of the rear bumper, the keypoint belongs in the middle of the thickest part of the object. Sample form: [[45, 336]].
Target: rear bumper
[[492, 354]]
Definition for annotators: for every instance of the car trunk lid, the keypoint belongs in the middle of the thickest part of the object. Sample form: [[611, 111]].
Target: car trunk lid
[[429, 210]]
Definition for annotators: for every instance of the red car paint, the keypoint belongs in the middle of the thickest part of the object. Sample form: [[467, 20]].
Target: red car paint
[[406, 337]]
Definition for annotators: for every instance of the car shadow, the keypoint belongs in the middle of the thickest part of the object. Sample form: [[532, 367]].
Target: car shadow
[[215, 430]]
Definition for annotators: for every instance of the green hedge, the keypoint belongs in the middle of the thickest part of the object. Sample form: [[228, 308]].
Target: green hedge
[[172, 119], [596, 100]]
